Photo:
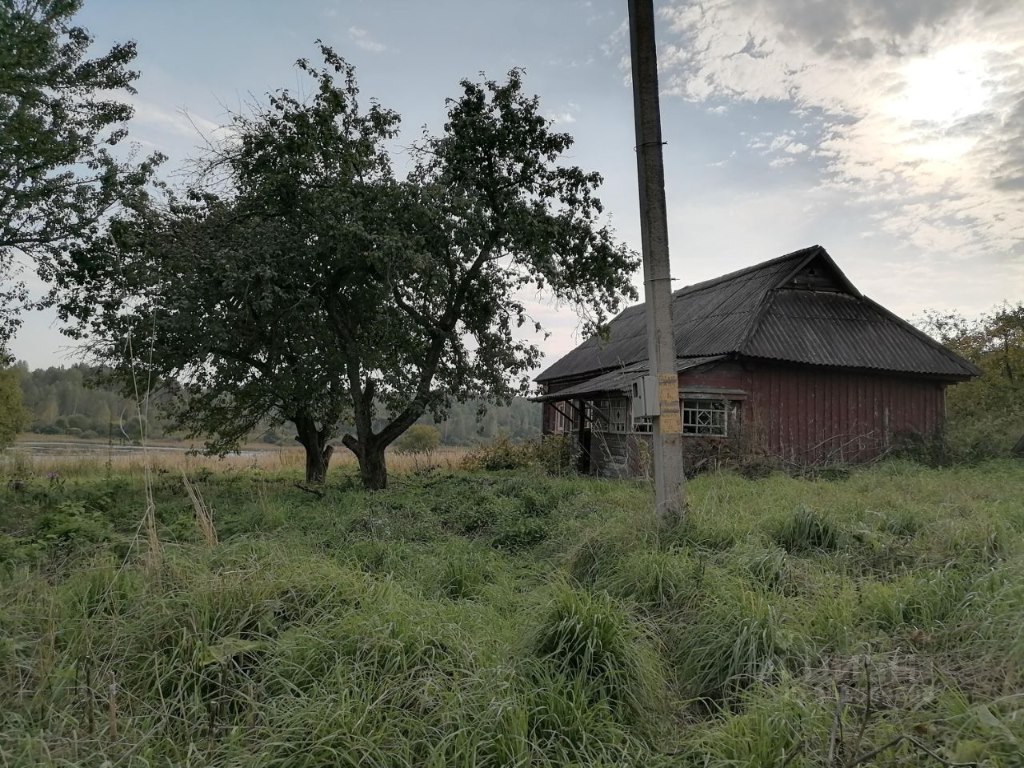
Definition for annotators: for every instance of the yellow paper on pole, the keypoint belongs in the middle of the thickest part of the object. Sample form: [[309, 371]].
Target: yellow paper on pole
[[668, 400]]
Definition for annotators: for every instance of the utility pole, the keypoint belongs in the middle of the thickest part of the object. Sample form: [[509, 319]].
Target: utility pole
[[670, 493]]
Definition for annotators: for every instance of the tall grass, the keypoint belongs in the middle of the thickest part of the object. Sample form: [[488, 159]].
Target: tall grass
[[510, 618]]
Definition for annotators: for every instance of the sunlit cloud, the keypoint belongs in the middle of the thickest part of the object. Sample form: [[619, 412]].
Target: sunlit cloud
[[919, 108]]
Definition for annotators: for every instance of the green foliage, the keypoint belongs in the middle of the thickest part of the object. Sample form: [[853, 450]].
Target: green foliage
[[80, 396], [655, 579], [501, 453], [587, 637], [805, 531], [312, 285], [776, 724], [61, 114], [419, 438], [475, 421], [550, 454], [77, 400], [736, 638], [13, 416], [986, 415], [464, 574], [916, 600]]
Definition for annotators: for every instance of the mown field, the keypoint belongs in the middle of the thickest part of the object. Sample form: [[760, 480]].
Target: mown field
[[510, 619]]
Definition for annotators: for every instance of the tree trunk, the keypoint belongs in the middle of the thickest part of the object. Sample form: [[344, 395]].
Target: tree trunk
[[373, 469], [318, 453], [317, 461]]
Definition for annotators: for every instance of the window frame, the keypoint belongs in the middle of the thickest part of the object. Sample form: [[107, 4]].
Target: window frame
[[720, 409], [603, 413]]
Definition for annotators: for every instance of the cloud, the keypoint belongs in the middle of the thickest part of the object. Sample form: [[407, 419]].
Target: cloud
[[565, 116], [364, 40], [180, 122], [916, 107]]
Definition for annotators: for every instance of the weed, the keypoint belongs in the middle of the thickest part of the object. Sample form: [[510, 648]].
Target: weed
[[806, 530], [591, 640], [734, 639]]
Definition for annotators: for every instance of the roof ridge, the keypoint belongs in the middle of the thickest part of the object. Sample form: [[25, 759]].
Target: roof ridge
[[803, 252], [763, 304]]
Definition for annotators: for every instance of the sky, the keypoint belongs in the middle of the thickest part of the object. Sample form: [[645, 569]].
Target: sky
[[889, 131]]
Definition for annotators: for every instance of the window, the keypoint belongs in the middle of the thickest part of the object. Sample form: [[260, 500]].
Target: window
[[562, 421], [611, 415], [644, 424], [706, 417]]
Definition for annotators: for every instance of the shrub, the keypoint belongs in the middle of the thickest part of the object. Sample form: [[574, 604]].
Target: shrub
[[500, 453], [552, 453], [419, 438]]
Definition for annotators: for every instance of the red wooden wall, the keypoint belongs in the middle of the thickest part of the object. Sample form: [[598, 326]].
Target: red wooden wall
[[810, 415]]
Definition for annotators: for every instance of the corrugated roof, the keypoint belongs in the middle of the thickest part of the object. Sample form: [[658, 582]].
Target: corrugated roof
[[799, 307], [840, 330]]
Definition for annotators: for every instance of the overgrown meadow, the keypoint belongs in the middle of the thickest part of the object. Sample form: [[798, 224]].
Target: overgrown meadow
[[509, 618]]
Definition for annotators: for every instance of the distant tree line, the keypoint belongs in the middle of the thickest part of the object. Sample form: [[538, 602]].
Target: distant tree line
[[71, 401], [74, 401]]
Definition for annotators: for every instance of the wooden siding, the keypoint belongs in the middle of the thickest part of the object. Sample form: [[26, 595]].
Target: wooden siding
[[726, 375], [809, 416]]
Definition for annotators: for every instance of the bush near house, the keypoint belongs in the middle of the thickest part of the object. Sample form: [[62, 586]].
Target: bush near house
[[985, 417]]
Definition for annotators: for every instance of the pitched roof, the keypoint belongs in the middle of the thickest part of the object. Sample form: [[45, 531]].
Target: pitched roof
[[798, 308]]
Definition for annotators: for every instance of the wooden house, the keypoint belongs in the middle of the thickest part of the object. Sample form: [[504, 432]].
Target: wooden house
[[785, 357]]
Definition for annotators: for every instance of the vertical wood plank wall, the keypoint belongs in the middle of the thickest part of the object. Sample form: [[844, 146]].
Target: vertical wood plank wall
[[808, 415]]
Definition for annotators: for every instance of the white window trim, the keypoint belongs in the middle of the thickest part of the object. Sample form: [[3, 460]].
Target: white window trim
[[709, 416]]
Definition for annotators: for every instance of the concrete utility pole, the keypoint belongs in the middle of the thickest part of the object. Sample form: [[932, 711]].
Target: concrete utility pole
[[670, 493]]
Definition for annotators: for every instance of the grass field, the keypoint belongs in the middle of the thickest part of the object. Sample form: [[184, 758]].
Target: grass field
[[73, 457], [509, 619]]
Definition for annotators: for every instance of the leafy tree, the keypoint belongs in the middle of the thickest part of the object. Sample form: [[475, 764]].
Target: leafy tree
[[12, 414], [491, 214], [986, 415], [305, 280], [61, 114]]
